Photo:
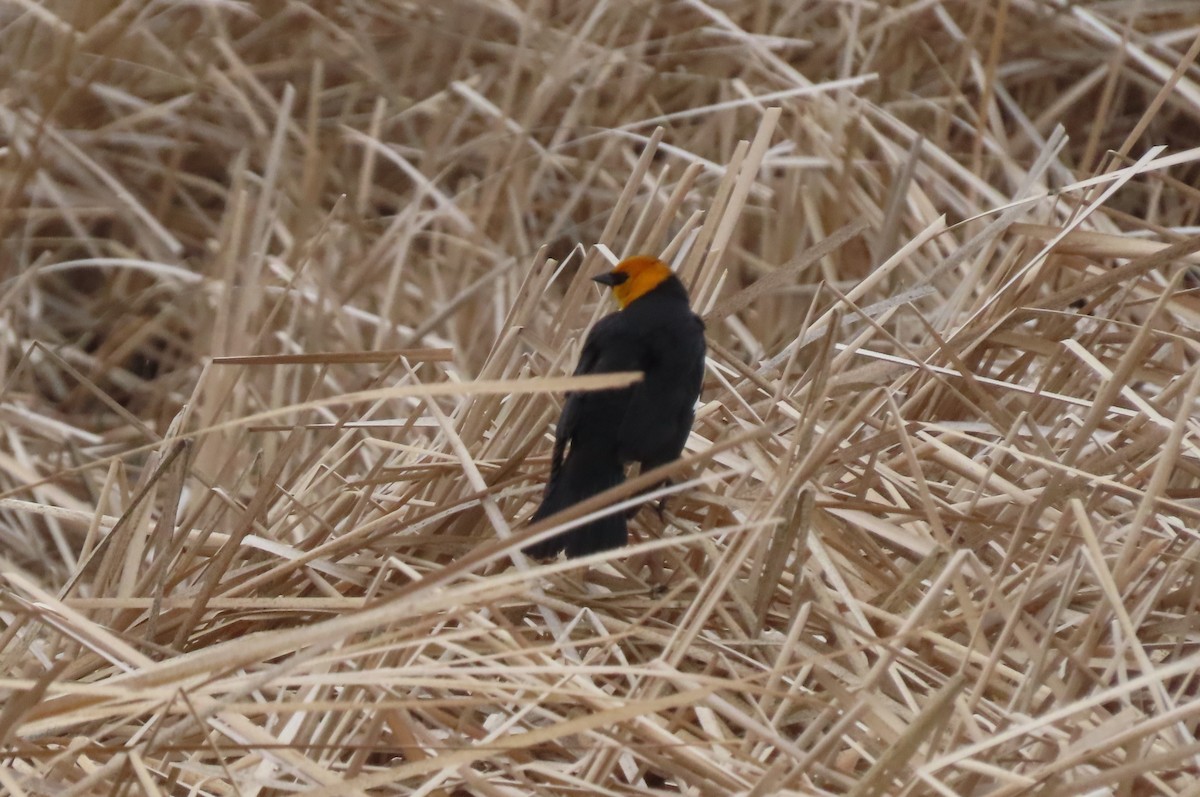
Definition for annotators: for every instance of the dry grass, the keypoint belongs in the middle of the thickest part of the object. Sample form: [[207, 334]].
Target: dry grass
[[289, 294]]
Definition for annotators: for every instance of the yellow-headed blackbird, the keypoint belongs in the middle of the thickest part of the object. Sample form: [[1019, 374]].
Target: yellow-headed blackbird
[[600, 432]]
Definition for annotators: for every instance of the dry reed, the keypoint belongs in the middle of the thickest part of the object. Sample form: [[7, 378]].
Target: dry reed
[[289, 294]]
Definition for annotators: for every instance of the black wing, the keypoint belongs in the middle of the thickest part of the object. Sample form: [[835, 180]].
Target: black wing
[[661, 407], [602, 353]]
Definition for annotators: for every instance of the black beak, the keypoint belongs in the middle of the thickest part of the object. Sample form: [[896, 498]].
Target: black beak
[[612, 279]]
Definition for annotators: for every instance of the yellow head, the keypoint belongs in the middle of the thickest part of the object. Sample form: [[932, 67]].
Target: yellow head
[[634, 277]]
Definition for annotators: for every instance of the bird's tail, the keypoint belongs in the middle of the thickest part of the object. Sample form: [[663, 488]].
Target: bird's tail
[[576, 480]]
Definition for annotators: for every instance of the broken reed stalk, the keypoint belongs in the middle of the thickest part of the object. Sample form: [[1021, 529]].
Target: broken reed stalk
[[292, 305]]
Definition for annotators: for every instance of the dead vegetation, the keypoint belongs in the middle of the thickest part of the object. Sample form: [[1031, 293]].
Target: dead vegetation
[[289, 295]]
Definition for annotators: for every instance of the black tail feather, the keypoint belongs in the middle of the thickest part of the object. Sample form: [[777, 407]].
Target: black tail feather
[[569, 485]]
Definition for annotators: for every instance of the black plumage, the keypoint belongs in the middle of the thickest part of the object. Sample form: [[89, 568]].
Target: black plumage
[[600, 432]]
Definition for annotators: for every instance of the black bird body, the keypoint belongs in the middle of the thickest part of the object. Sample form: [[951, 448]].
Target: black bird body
[[600, 432]]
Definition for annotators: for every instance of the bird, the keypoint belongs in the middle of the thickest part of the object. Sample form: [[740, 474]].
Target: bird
[[600, 432]]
